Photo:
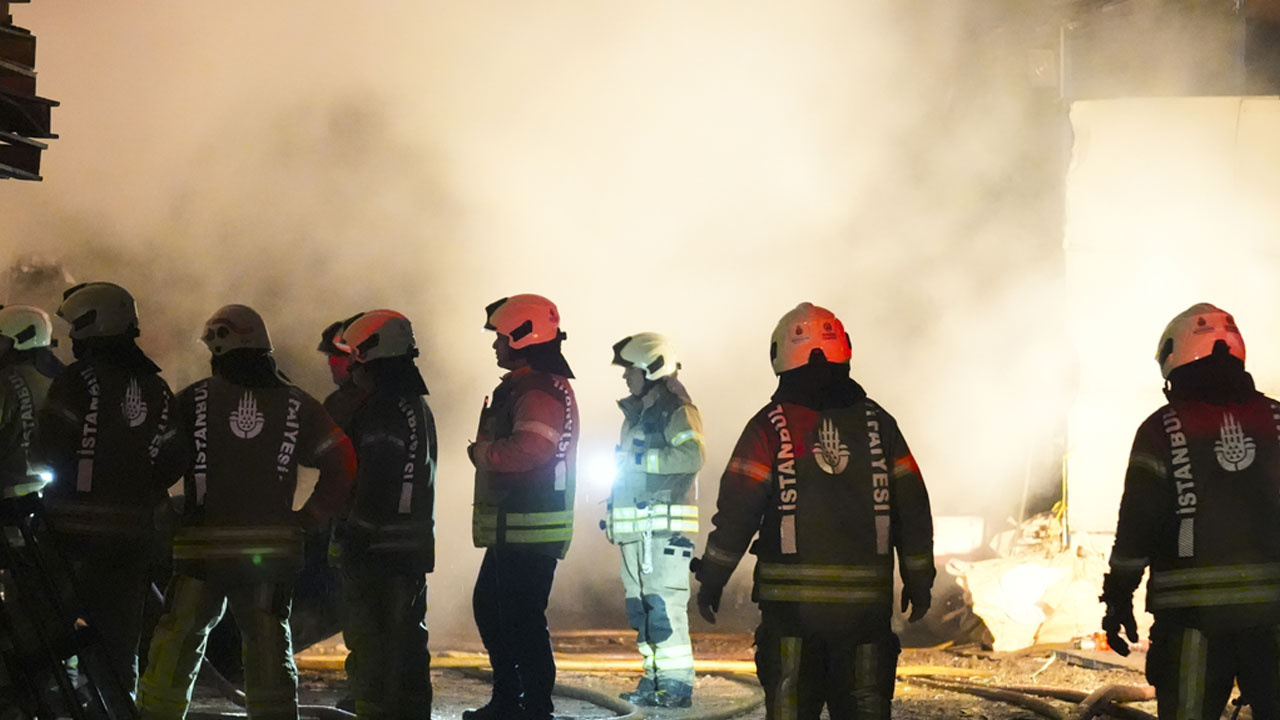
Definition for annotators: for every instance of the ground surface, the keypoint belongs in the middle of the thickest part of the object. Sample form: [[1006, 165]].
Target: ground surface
[[458, 689]]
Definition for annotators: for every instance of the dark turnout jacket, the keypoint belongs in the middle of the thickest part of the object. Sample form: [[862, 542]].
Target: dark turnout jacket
[[392, 522], [831, 492]]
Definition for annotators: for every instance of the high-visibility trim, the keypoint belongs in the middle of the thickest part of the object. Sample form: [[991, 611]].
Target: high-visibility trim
[[787, 693], [711, 553], [847, 574], [1150, 464], [675, 657], [1119, 562], [22, 488], [327, 443], [540, 429], [917, 562], [382, 437], [823, 594], [627, 520], [523, 528], [684, 437], [749, 469], [905, 466], [219, 543], [62, 411], [1192, 663], [1221, 574], [652, 462], [70, 517], [1233, 595]]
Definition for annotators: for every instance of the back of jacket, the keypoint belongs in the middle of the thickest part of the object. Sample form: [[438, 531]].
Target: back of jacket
[[1200, 507], [245, 445], [660, 452], [22, 394], [392, 522], [832, 494], [107, 434]]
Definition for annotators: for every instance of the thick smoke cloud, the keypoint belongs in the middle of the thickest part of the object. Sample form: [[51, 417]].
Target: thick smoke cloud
[[695, 169]]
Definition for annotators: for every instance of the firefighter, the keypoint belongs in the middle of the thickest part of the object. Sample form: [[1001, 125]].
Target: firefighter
[[653, 508], [342, 403], [388, 540], [106, 434], [1199, 508], [523, 511], [27, 367], [823, 474], [246, 430]]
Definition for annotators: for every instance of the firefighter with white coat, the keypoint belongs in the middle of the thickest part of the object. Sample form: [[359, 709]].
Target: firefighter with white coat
[[27, 368], [652, 511]]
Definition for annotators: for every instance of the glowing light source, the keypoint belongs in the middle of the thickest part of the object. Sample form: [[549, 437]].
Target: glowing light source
[[45, 476], [600, 469]]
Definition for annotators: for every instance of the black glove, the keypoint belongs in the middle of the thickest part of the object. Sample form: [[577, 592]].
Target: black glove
[[709, 601], [1120, 615], [919, 600]]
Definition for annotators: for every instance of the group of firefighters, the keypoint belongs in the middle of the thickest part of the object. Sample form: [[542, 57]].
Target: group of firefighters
[[821, 487]]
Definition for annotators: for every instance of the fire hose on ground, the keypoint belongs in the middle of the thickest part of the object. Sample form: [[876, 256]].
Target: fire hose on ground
[[1105, 701]]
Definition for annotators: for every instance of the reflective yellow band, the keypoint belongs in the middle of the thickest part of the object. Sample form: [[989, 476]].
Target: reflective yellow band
[[845, 574], [686, 436], [1220, 575], [22, 488], [632, 520], [1230, 595], [918, 562], [721, 557], [181, 552], [676, 657], [563, 534], [746, 468], [231, 542], [1148, 463], [1124, 563], [823, 594]]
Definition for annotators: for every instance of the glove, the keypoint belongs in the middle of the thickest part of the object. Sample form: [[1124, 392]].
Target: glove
[[1120, 615], [919, 600], [709, 602]]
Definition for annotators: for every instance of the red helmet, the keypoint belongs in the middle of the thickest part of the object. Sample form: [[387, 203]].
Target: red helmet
[[802, 331], [524, 320]]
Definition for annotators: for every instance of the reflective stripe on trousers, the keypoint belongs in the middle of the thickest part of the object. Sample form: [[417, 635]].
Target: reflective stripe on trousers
[[657, 609], [192, 609]]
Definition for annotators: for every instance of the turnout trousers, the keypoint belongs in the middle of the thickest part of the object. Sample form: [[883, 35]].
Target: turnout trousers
[[655, 579], [385, 630], [802, 670], [192, 608], [510, 605], [112, 583], [1193, 670]]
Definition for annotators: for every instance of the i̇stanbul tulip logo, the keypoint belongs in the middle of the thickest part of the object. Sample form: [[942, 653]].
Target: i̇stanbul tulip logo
[[246, 421], [133, 407], [831, 454], [1234, 449]]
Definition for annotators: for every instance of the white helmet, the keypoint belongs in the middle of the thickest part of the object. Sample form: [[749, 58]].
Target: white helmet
[[27, 326], [99, 309], [379, 334], [524, 319], [1191, 335], [648, 351], [803, 331], [233, 327]]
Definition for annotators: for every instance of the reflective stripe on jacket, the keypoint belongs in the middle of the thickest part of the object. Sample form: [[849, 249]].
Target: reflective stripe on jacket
[[1199, 507], [833, 494], [659, 455], [393, 515], [525, 456]]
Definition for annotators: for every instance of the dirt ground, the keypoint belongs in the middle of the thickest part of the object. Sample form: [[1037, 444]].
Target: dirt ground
[[1058, 667]]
